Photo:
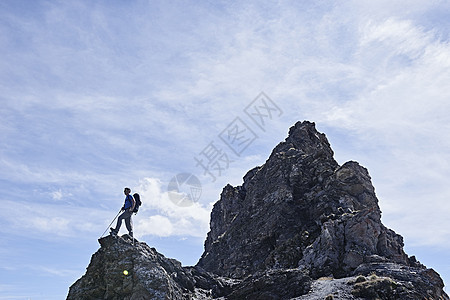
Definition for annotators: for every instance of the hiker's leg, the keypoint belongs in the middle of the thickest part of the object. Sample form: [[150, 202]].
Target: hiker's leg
[[119, 222], [129, 224]]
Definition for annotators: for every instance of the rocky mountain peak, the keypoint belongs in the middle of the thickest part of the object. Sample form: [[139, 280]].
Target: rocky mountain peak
[[299, 226], [304, 137], [299, 210]]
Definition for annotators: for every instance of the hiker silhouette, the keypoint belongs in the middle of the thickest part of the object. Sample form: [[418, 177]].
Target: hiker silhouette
[[127, 209]]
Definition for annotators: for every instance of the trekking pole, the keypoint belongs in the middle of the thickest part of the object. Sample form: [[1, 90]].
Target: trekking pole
[[111, 223]]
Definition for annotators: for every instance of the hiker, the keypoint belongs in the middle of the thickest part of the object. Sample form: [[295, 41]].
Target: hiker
[[127, 209]]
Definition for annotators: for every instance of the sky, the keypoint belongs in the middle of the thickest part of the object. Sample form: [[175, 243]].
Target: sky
[[176, 99]]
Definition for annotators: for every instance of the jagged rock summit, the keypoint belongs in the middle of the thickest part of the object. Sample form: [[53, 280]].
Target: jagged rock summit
[[300, 210], [299, 227]]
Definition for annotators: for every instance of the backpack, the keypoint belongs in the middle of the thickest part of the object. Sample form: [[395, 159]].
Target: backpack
[[138, 202]]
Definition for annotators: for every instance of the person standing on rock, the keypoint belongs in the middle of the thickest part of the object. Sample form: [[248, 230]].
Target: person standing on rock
[[127, 209]]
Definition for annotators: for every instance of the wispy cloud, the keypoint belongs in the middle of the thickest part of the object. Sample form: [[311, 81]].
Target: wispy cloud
[[49, 221]]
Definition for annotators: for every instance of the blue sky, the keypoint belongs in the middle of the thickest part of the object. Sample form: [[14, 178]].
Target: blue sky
[[96, 96]]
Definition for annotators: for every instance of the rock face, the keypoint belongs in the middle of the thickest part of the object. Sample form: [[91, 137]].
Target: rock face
[[124, 270], [120, 269], [299, 227]]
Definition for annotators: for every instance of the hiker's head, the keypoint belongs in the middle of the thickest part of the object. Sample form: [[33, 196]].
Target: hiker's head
[[126, 191]]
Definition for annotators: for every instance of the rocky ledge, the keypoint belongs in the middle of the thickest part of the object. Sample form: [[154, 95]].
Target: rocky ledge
[[299, 227]]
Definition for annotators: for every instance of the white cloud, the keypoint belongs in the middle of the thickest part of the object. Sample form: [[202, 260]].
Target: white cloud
[[57, 195], [160, 216], [52, 221], [154, 225]]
